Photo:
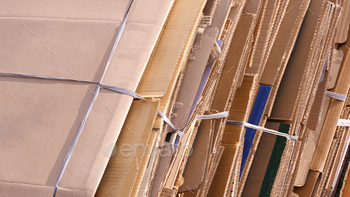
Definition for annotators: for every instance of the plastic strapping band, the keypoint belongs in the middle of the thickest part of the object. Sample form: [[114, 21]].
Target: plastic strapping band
[[75, 140], [262, 129], [121, 90], [167, 121], [112, 88], [212, 116], [337, 96], [343, 123], [120, 31]]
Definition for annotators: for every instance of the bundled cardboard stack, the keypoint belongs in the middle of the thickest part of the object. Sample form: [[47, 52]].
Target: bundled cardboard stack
[[175, 98]]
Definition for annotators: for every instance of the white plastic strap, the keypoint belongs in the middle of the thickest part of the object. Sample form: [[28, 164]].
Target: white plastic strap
[[343, 123], [113, 88], [262, 129], [167, 121], [75, 140], [212, 116], [337, 96]]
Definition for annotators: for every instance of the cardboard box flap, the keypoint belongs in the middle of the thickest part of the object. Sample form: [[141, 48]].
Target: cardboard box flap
[[128, 152], [192, 77], [337, 60], [59, 39], [65, 9], [332, 117], [197, 164], [342, 33], [172, 48], [141, 33], [49, 113], [19, 189]]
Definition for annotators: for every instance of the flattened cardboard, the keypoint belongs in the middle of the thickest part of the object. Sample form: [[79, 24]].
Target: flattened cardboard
[[197, 164], [22, 102], [337, 60], [172, 49], [261, 38], [101, 128], [288, 90], [192, 78], [139, 120], [220, 15], [285, 40], [259, 165], [342, 33], [232, 136], [309, 186], [333, 115]]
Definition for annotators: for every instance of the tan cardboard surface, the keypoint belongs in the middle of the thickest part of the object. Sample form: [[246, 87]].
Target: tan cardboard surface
[[262, 157], [337, 60], [139, 120], [38, 139], [285, 39], [172, 48], [64, 104], [192, 77], [333, 114], [289, 88], [309, 186], [197, 164], [342, 34], [261, 37]]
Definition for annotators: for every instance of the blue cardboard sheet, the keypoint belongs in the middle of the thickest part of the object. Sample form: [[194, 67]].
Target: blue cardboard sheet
[[254, 118]]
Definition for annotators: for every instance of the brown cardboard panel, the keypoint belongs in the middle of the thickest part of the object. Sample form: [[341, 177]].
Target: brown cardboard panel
[[333, 114], [289, 87], [210, 7], [232, 135], [58, 48], [309, 186], [172, 49], [259, 165], [220, 15], [225, 166], [164, 163], [214, 162], [252, 6], [73, 10], [342, 34], [18, 189], [142, 186], [141, 32], [192, 77], [285, 39], [139, 120], [49, 113], [337, 60], [197, 164], [260, 39], [338, 160], [231, 72]]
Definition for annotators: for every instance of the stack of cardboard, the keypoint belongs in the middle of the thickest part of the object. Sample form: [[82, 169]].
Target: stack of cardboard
[[175, 98]]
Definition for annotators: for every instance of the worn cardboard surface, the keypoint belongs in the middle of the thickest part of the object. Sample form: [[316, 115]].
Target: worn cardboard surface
[[333, 114], [342, 33], [289, 88], [136, 132], [172, 48], [220, 15], [337, 60], [232, 136], [192, 77], [285, 40], [197, 164], [79, 43], [309, 186], [259, 165], [67, 103]]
